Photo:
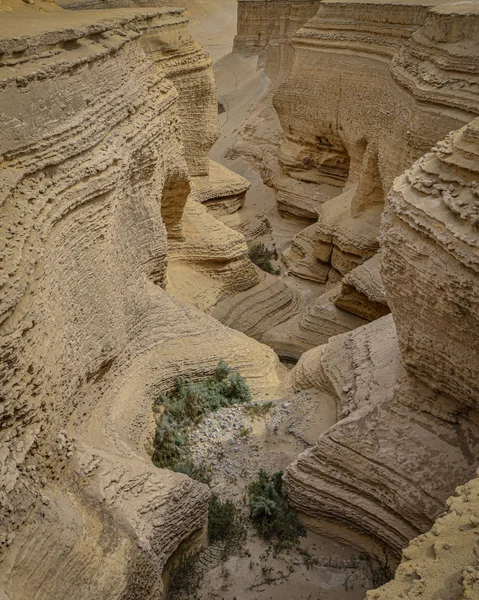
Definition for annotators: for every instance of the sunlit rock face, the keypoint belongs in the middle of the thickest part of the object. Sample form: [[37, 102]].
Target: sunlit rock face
[[106, 117], [405, 385]]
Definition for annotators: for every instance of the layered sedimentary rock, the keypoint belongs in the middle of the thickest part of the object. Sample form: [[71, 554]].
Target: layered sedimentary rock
[[362, 291], [366, 89], [221, 190], [313, 326], [347, 303], [370, 88], [406, 385], [95, 180], [209, 267], [441, 563], [265, 28], [430, 237]]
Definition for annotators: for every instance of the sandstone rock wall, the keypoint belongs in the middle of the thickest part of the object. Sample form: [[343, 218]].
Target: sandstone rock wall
[[97, 157], [405, 385], [370, 88], [265, 28], [365, 89]]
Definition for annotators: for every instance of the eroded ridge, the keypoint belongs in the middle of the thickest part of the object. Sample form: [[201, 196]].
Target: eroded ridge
[[106, 116], [406, 388]]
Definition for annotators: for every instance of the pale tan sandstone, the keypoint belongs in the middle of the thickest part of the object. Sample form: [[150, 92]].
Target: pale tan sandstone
[[94, 184], [265, 28], [430, 237], [407, 402], [222, 191], [379, 476], [300, 259], [362, 291], [259, 309], [358, 297], [209, 269], [441, 563], [314, 325], [370, 88]]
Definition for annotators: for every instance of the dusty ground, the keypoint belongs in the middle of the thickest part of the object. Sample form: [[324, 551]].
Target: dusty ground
[[237, 445]]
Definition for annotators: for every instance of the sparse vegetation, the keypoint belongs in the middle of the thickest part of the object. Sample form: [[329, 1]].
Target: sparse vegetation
[[272, 517], [225, 525], [186, 406], [379, 571], [199, 472], [244, 432], [256, 411], [261, 256], [186, 578]]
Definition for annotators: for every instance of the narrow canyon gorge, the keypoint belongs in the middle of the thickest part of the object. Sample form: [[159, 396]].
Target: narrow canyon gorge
[[267, 212]]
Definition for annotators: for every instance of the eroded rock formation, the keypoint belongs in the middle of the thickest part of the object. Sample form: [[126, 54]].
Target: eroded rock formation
[[362, 90], [405, 385], [105, 119], [108, 200]]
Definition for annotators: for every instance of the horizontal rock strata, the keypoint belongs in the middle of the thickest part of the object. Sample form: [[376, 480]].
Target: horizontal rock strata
[[105, 118], [411, 69], [384, 471], [362, 291], [405, 389]]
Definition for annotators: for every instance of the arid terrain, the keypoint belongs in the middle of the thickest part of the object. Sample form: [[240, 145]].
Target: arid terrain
[[239, 238]]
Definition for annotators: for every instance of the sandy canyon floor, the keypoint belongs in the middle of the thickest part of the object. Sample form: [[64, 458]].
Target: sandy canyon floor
[[235, 444]]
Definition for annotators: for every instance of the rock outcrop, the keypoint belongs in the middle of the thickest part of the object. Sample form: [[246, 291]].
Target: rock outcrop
[[265, 27], [406, 386], [398, 61], [441, 563], [105, 116], [365, 89]]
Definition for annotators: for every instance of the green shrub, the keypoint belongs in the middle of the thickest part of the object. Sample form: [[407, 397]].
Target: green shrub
[[222, 370], [255, 411], [225, 525], [186, 578], [187, 405], [269, 510], [261, 256], [199, 472]]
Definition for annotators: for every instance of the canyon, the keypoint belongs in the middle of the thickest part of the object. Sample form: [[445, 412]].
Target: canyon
[[136, 175]]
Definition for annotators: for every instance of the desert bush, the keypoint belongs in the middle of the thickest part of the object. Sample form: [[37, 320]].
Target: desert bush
[[261, 256], [187, 405], [186, 578], [256, 411], [272, 517], [199, 472], [225, 524]]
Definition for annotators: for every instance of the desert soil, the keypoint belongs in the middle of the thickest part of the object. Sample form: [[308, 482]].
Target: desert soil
[[237, 445]]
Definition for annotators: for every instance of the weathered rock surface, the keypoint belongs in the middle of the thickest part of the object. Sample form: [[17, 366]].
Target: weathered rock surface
[[406, 388], [105, 118], [222, 191], [351, 302], [313, 326], [265, 27], [369, 90], [431, 265], [362, 291], [441, 563]]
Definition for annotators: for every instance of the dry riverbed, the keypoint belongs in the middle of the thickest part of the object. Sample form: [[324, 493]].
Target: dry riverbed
[[237, 442]]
